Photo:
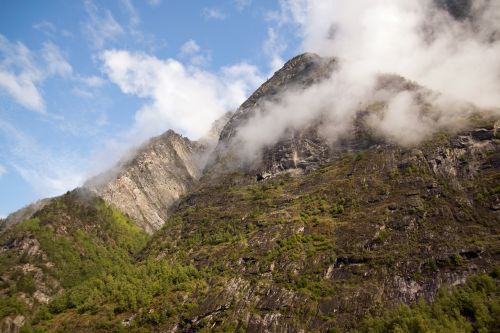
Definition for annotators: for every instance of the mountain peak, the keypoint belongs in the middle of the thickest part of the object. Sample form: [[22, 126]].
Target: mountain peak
[[146, 185]]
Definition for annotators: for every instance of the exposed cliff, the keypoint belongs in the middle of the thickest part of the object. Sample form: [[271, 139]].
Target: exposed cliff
[[159, 173]]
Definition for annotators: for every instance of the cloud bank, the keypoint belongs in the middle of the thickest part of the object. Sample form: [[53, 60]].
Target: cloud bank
[[420, 40], [185, 98], [455, 55]]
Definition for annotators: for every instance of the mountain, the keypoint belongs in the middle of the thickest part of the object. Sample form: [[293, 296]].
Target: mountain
[[311, 236], [161, 171], [373, 229], [145, 186], [304, 148], [71, 239], [23, 214]]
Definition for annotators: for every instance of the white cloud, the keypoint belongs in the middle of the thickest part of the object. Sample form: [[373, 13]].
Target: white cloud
[[190, 47], [214, 13], [184, 98], [242, 4], [22, 71], [416, 39], [3, 171], [100, 27], [47, 28], [273, 47]]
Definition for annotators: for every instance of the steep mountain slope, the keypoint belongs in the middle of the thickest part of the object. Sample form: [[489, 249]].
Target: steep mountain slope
[[310, 237], [318, 252], [299, 72], [145, 187], [303, 147], [307, 146], [71, 239], [165, 168], [373, 228]]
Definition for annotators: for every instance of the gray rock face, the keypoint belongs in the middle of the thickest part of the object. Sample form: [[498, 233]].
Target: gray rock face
[[301, 71], [458, 9], [302, 149], [305, 148], [12, 324], [146, 186]]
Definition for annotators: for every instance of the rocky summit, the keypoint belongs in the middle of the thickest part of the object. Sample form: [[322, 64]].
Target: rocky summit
[[145, 186], [363, 234]]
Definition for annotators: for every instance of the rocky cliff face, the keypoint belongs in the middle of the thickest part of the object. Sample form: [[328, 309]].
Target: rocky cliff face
[[146, 186], [305, 148], [302, 149]]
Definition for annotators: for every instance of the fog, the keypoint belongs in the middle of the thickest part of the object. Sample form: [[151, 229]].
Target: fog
[[453, 56]]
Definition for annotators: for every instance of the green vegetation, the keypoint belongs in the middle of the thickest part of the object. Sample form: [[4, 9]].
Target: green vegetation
[[474, 307], [126, 288], [72, 241], [11, 305]]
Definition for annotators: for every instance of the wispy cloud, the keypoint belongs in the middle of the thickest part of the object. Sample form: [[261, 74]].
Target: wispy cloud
[[22, 72], [290, 15], [20, 76], [241, 5], [91, 81], [100, 27], [273, 48], [291, 12], [51, 31], [47, 28], [56, 62], [194, 53], [134, 19], [154, 2], [213, 13], [48, 173], [3, 171], [190, 47]]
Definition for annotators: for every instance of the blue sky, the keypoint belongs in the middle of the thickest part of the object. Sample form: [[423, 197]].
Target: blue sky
[[83, 81]]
